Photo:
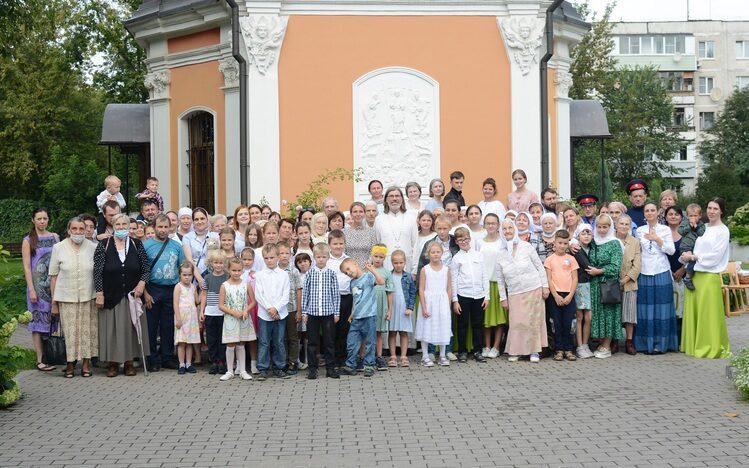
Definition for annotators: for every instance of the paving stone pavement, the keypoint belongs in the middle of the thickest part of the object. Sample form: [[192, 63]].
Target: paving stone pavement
[[645, 411]]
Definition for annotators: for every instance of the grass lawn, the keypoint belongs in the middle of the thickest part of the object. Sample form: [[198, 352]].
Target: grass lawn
[[12, 267]]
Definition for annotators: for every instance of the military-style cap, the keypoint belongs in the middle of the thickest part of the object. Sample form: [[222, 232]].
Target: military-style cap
[[637, 184], [586, 199]]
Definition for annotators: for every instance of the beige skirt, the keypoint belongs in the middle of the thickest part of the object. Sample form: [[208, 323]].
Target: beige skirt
[[80, 326]]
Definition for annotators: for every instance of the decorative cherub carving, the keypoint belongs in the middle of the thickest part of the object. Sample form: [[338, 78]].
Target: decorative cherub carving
[[523, 34], [263, 35], [157, 84]]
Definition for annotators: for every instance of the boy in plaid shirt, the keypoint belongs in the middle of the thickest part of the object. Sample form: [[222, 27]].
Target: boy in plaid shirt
[[321, 299]]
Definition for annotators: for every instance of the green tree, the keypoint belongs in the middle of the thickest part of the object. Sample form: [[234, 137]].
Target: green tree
[[725, 154], [592, 63]]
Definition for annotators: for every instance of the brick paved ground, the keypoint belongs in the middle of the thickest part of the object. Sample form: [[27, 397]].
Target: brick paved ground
[[627, 411]]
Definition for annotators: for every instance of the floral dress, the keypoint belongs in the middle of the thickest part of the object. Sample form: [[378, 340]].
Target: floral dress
[[236, 330], [40, 311], [189, 332]]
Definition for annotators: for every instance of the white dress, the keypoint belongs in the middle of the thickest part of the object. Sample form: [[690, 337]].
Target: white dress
[[437, 328]]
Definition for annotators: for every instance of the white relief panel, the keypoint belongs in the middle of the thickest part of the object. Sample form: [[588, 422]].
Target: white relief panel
[[396, 128]]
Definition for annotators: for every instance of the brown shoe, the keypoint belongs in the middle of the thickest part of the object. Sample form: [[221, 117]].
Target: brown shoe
[[129, 369], [614, 346], [630, 345], [113, 369]]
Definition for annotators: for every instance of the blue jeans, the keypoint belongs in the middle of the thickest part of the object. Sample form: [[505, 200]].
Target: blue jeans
[[270, 337], [562, 316], [361, 331], [160, 319]]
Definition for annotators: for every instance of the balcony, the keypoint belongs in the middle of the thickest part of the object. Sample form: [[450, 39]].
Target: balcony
[[670, 62]]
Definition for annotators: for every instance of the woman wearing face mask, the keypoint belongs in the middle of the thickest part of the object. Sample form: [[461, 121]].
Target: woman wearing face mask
[[71, 270], [120, 267]]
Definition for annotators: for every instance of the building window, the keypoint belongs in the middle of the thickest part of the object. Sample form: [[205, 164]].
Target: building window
[[706, 49], [646, 45], [680, 119], [706, 84], [707, 120], [200, 165], [676, 81], [683, 153], [742, 49], [742, 82]]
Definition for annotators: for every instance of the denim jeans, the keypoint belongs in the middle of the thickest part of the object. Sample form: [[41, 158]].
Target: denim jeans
[[361, 331], [160, 319], [562, 317], [271, 344]]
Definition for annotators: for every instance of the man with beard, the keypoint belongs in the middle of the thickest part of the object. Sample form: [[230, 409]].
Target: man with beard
[[549, 198]]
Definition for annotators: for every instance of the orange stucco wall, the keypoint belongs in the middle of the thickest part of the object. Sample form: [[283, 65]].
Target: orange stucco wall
[[198, 87], [322, 56], [194, 41]]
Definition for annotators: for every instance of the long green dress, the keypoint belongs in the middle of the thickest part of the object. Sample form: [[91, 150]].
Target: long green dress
[[607, 318]]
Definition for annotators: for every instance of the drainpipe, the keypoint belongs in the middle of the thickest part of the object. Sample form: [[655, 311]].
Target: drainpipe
[[243, 165], [543, 66]]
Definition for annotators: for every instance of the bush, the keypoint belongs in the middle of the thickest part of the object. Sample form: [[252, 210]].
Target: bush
[[740, 363], [739, 225], [16, 219]]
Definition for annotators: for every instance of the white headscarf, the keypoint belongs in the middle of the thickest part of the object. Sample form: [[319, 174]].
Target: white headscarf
[[552, 216], [530, 222], [508, 245], [581, 227], [610, 235], [511, 212]]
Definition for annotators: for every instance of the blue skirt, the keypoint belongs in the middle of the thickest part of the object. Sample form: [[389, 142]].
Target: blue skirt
[[656, 330]]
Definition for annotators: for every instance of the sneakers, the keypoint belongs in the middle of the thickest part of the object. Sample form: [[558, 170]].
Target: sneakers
[[485, 352], [254, 371], [213, 369], [493, 353], [312, 374], [279, 374], [462, 357], [181, 370], [478, 357], [380, 364], [237, 370], [346, 370], [452, 356], [535, 357], [513, 358], [359, 365], [427, 362], [302, 365], [227, 376], [191, 369], [222, 367], [332, 373], [263, 375], [431, 357], [369, 371], [688, 283], [245, 375], [444, 362], [602, 353]]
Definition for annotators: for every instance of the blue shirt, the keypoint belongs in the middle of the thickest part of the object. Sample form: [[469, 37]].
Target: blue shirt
[[166, 270], [363, 292]]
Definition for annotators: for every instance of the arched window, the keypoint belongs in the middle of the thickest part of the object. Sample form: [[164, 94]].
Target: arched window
[[200, 160]]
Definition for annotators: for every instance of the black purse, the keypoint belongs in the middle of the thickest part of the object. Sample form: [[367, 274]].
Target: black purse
[[611, 292], [53, 347]]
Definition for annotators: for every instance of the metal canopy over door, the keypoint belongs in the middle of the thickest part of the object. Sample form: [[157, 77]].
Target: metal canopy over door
[[200, 165]]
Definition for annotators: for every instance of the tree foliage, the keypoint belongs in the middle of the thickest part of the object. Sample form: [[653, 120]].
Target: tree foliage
[[725, 154], [592, 62]]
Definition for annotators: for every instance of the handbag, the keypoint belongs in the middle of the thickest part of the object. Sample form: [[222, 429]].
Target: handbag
[[611, 292], [53, 346]]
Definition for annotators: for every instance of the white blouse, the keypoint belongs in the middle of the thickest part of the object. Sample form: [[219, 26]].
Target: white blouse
[[520, 273], [654, 258], [494, 206], [713, 249]]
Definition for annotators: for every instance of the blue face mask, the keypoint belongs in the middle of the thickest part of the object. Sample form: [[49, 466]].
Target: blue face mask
[[121, 233]]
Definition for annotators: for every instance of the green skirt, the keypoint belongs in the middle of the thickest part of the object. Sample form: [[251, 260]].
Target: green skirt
[[703, 329], [495, 314]]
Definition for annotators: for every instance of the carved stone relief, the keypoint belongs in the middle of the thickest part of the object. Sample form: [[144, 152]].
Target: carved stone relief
[[523, 35], [563, 81], [157, 84], [263, 35], [230, 69]]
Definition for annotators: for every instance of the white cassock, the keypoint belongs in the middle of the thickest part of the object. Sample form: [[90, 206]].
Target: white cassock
[[397, 231]]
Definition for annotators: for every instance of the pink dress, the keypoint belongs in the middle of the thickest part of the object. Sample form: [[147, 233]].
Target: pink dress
[[521, 201], [189, 332]]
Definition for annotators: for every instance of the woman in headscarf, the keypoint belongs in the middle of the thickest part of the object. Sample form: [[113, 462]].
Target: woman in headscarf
[[628, 275], [606, 262], [523, 288]]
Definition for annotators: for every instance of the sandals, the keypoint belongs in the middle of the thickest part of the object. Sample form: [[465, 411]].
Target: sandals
[[40, 366], [85, 373], [393, 361], [405, 362], [570, 356], [69, 371], [559, 356]]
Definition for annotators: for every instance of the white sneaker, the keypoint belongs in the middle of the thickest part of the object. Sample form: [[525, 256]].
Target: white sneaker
[[254, 370], [245, 375], [581, 352], [431, 357], [493, 353], [427, 363], [602, 353], [535, 357], [452, 356], [236, 371], [485, 352], [444, 362], [588, 352], [227, 376], [513, 358], [302, 365]]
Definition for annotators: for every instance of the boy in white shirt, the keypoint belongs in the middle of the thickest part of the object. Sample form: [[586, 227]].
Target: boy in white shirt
[[337, 243], [470, 286], [272, 295]]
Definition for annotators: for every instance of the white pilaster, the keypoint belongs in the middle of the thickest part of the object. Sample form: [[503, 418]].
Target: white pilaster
[[157, 84], [562, 82], [263, 37], [522, 37], [229, 67]]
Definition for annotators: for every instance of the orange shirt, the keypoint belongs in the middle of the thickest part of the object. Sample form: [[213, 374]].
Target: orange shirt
[[562, 268]]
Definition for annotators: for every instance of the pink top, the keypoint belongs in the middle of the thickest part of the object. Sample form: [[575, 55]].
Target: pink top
[[520, 201]]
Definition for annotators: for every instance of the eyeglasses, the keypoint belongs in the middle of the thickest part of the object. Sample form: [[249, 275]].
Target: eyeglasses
[[463, 240]]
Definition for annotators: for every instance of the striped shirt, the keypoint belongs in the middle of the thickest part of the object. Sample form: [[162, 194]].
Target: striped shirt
[[213, 284], [320, 295]]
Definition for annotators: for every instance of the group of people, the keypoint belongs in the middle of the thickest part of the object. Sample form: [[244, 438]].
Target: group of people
[[296, 291]]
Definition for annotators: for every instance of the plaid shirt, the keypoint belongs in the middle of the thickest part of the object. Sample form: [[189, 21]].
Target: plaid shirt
[[320, 295]]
